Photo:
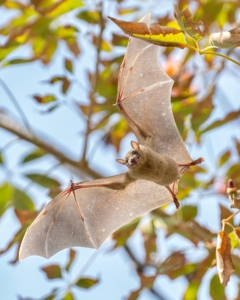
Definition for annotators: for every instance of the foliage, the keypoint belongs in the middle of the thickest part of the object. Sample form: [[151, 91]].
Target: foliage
[[36, 32]]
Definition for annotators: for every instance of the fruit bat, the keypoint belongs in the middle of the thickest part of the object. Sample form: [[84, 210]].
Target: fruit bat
[[86, 213]]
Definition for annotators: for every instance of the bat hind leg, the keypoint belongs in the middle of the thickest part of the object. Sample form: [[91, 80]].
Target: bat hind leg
[[192, 163], [175, 200]]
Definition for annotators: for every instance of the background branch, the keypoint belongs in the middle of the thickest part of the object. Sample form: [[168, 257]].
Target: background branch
[[77, 167]]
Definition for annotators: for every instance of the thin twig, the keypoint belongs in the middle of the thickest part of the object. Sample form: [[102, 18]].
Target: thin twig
[[17, 106], [94, 79], [156, 294], [139, 266]]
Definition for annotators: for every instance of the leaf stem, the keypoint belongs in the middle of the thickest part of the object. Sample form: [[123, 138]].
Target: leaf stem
[[225, 221], [192, 47], [209, 47], [229, 224], [221, 55]]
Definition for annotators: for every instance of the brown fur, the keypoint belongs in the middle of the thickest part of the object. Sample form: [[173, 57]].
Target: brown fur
[[152, 166]]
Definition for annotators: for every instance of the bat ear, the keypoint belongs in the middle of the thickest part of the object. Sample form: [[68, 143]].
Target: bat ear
[[121, 161], [135, 145]]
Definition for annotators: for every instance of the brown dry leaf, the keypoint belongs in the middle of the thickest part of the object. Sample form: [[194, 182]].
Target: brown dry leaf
[[224, 260], [52, 271], [185, 21], [25, 216], [237, 233], [141, 28], [155, 34], [146, 283]]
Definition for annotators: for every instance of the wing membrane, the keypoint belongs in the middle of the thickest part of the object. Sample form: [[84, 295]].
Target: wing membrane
[[60, 225], [144, 91]]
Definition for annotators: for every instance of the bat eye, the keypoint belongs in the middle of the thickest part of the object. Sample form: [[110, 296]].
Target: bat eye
[[134, 152], [126, 160]]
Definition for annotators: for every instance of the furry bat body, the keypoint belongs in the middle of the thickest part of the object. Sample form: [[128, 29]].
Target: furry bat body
[[86, 213]]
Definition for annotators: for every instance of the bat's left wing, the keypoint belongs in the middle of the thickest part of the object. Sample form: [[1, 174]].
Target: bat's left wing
[[144, 98], [87, 216]]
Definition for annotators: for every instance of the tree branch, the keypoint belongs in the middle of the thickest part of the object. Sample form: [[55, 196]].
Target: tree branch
[[78, 168], [140, 268]]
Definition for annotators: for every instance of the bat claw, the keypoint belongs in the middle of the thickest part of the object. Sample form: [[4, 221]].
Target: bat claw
[[176, 202]]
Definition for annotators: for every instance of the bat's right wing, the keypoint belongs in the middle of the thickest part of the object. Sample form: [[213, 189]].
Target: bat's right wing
[[144, 98], [87, 216]]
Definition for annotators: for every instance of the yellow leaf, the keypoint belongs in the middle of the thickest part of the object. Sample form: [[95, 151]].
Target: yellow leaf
[[154, 34], [63, 7]]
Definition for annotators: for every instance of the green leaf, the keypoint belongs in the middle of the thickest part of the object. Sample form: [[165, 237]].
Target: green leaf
[[72, 255], [68, 65], [124, 11], [122, 235], [66, 32], [55, 79], [173, 265], [35, 154], [17, 61], [1, 159], [73, 45], [234, 172], [216, 289], [234, 239], [44, 99], [186, 23], [228, 118], [170, 40], [16, 239], [68, 296], [22, 201], [6, 192], [65, 85], [63, 7], [89, 16], [105, 46], [191, 291], [52, 271], [50, 297], [43, 180], [202, 111], [119, 40], [224, 158], [86, 283], [189, 212]]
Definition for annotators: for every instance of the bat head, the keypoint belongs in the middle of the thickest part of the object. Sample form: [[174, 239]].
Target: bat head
[[133, 157]]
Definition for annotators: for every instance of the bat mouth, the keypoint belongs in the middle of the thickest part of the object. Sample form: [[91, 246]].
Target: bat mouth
[[134, 161]]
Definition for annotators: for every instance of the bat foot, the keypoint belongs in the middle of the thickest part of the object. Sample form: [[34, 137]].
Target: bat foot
[[197, 161], [175, 200], [192, 163]]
